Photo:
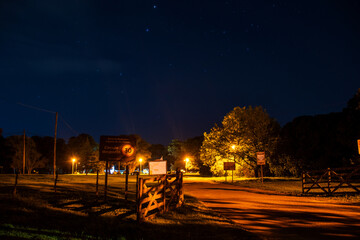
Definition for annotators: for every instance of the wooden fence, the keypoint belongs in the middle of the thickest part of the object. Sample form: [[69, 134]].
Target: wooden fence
[[329, 181], [158, 194]]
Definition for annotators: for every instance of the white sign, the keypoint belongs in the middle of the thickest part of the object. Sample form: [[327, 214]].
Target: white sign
[[157, 167], [260, 156]]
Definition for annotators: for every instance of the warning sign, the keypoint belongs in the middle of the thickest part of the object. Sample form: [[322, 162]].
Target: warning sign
[[229, 166], [260, 157], [117, 148]]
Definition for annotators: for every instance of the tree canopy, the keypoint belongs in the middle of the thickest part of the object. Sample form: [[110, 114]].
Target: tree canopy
[[82, 148], [243, 132]]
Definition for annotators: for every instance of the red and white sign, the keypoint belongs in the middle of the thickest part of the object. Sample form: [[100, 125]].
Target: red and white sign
[[260, 157]]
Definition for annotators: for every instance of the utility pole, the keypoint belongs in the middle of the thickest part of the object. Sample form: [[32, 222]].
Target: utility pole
[[24, 154], [56, 120]]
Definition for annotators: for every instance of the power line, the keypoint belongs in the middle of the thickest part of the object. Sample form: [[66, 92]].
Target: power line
[[27, 105], [68, 125], [36, 108], [42, 110]]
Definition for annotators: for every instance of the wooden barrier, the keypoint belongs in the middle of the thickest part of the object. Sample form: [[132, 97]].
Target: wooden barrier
[[331, 180], [158, 194]]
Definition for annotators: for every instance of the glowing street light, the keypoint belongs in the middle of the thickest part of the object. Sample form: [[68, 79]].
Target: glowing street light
[[186, 161], [232, 176], [140, 160], [73, 161]]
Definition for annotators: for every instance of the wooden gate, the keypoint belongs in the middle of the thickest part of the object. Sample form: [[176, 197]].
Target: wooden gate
[[158, 194], [332, 180]]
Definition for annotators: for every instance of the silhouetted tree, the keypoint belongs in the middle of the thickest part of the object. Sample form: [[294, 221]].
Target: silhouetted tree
[[3, 160], [142, 151], [321, 141], [158, 151], [33, 159], [82, 148]]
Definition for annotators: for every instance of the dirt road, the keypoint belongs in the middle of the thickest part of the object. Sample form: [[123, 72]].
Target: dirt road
[[275, 216]]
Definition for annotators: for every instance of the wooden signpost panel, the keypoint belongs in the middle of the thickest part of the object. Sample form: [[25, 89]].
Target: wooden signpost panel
[[117, 148]]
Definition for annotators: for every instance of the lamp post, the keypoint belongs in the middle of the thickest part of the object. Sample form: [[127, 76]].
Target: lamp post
[[186, 161], [233, 148], [73, 161], [140, 160]]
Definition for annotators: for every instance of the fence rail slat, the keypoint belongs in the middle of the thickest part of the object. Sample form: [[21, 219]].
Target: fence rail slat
[[339, 178], [158, 198]]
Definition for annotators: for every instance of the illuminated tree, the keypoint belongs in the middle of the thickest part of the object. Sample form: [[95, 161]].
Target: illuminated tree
[[243, 132]]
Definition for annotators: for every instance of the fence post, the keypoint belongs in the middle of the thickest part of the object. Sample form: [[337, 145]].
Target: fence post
[[137, 183], [97, 183], [303, 181], [180, 191], [55, 180], [16, 181], [164, 183], [138, 197], [329, 181]]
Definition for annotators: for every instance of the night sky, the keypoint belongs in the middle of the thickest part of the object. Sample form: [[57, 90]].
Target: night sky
[[172, 68]]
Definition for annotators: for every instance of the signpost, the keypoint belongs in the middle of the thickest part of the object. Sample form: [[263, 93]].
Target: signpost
[[229, 166], [117, 148], [260, 157], [157, 167]]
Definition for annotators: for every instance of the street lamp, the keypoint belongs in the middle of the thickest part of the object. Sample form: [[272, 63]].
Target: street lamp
[[73, 161], [140, 160], [186, 161], [232, 176]]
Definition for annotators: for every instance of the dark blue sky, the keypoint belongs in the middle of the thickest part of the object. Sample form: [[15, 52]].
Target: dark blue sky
[[171, 69]]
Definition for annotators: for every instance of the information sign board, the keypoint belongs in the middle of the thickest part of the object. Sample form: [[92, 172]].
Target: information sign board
[[260, 157], [157, 167], [117, 148], [229, 166]]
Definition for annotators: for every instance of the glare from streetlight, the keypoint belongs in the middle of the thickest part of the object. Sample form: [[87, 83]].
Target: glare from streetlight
[[186, 159], [233, 147], [72, 169], [140, 160]]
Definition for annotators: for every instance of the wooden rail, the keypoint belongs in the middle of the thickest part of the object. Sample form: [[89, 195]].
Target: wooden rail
[[331, 180], [158, 194]]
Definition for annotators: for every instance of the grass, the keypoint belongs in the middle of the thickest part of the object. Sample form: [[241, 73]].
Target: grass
[[75, 212]]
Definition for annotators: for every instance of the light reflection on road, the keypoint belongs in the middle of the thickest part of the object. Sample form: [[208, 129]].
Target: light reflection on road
[[278, 216]]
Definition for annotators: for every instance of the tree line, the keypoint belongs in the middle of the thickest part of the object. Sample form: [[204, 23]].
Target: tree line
[[306, 143], [39, 154]]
